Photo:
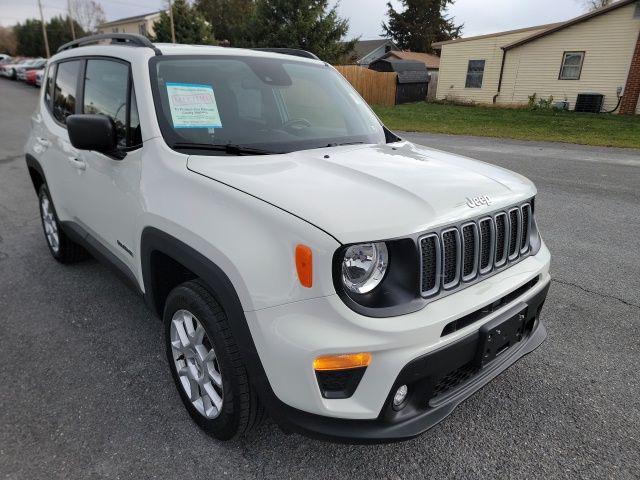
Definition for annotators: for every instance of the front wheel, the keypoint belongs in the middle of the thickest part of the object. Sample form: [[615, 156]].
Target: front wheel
[[206, 364]]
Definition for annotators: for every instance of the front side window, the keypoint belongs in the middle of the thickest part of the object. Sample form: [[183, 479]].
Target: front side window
[[275, 105], [64, 94], [571, 65], [105, 92], [475, 74], [107, 88]]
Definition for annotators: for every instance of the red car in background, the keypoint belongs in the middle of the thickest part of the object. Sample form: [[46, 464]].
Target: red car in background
[[30, 77]]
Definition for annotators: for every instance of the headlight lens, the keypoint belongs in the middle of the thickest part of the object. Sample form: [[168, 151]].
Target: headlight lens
[[364, 266]]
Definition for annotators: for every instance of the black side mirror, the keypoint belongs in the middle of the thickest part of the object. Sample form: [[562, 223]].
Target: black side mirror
[[92, 132]]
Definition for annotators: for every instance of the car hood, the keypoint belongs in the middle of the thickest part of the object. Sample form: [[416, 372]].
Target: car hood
[[369, 192]]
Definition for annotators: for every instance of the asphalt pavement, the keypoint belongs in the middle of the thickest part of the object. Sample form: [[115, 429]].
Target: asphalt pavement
[[85, 391]]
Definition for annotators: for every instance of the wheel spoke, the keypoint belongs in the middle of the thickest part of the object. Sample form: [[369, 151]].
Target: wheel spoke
[[194, 393], [182, 333], [198, 335], [213, 395]]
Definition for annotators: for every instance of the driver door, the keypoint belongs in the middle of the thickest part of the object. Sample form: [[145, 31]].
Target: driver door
[[111, 185]]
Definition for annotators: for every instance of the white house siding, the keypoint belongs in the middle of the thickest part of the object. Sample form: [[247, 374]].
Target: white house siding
[[454, 61], [608, 42]]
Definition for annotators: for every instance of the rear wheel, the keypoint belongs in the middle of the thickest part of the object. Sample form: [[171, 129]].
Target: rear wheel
[[61, 247], [206, 364]]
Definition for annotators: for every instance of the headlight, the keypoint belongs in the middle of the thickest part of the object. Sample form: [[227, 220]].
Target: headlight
[[364, 266]]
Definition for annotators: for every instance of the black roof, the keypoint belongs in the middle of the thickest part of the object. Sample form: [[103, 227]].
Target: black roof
[[408, 71]]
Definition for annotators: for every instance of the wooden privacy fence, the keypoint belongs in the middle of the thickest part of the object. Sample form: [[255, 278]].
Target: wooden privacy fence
[[377, 88]]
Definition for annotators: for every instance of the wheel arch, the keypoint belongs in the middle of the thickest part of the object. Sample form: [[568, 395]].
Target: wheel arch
[[36, 173], [155, 242]]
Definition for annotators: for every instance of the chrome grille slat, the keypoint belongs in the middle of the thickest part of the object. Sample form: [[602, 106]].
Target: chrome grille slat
[[502, 239], [450, 258], [431, 263], [455, 255], [525, 212], [470, 248], [514, 233], [487, 245]]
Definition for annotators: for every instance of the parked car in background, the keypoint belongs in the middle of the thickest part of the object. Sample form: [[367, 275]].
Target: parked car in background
[[4, 57], [39, 75], [30, 76], [9, 69], [36, 64]]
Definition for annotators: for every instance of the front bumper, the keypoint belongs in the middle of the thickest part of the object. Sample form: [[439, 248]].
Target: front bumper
[[288, 337], [423, 409]]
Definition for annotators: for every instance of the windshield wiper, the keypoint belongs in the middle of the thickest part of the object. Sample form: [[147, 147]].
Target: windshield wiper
[[230, 148], [345, 143]]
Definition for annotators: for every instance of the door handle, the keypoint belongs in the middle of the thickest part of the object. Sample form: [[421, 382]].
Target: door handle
[[79, 164], [42, 141]]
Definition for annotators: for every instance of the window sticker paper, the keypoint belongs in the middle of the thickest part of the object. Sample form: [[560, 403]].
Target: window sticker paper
[[193, 106]]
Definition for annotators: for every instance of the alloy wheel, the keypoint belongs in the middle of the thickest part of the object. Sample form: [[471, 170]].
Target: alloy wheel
[[196, 364], [50, 224]]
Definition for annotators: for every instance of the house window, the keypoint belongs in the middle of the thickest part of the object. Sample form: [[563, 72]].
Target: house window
[[571, 65], [114, 30], [475, 74], [142, 29]]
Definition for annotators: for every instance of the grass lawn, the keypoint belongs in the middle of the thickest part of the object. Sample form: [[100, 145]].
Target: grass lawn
[[524, 124]]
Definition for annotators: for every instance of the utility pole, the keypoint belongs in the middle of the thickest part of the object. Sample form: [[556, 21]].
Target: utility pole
[[44, 30], [173, 30], [73, 28]]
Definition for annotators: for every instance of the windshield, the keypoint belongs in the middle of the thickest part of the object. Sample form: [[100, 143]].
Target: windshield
[[264, 104]]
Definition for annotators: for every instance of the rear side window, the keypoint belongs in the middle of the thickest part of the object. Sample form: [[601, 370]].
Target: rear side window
[[48, 85], [106, 85], [64, 94]]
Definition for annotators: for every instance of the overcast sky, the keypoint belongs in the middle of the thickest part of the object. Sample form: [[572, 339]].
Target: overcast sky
[[365, 16]]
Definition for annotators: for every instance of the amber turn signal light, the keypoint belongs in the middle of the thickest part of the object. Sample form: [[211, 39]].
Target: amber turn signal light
[[304, 265], [342, 362]]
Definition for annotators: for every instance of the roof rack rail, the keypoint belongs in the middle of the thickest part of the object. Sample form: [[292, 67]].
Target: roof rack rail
[[131, 39], [296, 52]]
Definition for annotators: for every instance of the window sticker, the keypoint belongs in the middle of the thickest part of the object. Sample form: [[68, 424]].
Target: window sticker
[[193, 106]]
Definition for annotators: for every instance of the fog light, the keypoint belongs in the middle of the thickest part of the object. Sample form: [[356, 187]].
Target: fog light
[[400, 396]]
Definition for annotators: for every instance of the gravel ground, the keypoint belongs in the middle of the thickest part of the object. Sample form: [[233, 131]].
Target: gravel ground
[[86, 392]]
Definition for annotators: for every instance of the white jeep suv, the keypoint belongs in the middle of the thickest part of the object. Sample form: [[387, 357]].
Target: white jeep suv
[[305, 261]]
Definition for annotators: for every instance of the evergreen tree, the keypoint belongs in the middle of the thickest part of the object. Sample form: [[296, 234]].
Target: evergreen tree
[[190, 27], [420, 24], [228, 18], [29, 36], [307, 24]]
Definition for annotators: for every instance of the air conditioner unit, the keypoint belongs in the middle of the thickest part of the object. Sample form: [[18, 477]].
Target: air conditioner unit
[[589, 102]]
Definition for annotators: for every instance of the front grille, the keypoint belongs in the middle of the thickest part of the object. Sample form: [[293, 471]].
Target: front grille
[[458, 254]]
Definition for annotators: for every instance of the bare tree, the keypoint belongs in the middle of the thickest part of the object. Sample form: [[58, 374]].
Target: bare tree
[[88, 13], [8, 41], [592, 5]]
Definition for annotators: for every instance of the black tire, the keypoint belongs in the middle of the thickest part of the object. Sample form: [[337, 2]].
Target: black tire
[[67, 251], [241, 409]]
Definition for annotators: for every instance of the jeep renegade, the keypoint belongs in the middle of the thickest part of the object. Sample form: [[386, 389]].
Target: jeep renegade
[[305, 261]]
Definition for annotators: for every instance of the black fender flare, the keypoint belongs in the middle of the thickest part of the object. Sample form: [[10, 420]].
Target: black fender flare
[[155, 240], [33, 163]]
